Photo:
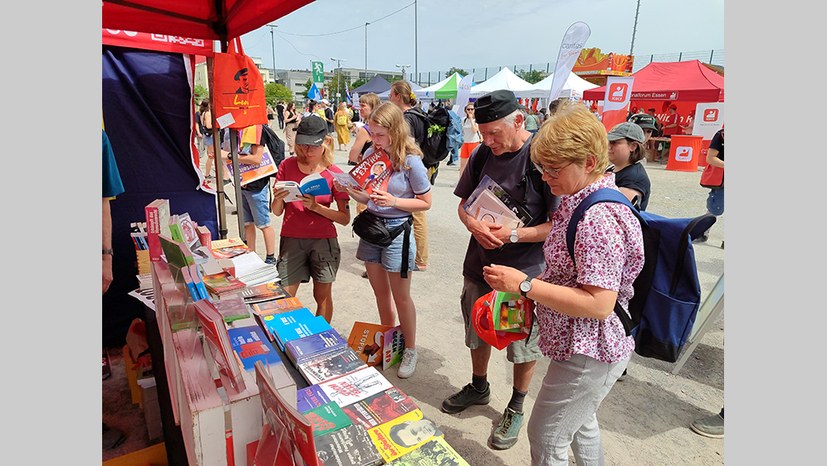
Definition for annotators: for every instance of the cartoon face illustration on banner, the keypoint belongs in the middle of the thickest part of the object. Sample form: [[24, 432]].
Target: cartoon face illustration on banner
[[243, 81]]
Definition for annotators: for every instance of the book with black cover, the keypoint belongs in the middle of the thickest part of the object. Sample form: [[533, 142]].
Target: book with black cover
[[330, 365], [349, 446]]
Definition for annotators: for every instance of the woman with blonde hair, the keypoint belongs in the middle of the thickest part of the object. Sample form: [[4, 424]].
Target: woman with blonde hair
[[367, 102], [580, 333], [309, 247], [404, 191]]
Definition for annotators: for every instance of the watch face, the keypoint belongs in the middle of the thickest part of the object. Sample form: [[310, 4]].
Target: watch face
[[525, 286], [514, 237]]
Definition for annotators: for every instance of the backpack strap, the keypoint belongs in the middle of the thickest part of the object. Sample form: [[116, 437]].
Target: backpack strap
[[601, 195]]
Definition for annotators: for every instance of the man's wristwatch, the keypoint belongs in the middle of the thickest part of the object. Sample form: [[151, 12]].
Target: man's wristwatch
[[514, 238], [108, 251], [525, 286]]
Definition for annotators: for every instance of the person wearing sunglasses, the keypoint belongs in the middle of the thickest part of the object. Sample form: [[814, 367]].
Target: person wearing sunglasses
[[580, 333], [470, 136]]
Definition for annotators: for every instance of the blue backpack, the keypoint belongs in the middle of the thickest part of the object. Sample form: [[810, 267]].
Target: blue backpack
[[667, 291]]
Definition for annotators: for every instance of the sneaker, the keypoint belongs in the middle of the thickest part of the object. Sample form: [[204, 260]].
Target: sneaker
[[270, 260], [622, 376], [505, 434], [365, 274], [408, 364], [466, 397], [710, 426]]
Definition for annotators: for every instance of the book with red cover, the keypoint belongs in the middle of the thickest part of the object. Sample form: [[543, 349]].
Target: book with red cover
[[276, 306], [215, 333], [380, 408], [157, 223], [250, 344], [264, 292], [284, 420], [221, 283], [372, 171]]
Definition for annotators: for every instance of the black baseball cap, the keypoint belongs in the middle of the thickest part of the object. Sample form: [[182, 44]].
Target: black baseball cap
[[311, 131], [645, 121], [495, 105]]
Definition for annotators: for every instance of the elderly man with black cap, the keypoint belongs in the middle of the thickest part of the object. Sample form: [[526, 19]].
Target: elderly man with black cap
[[503, 156]]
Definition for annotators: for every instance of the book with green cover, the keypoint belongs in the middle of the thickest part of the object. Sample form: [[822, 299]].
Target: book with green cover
[[511, 312], [434, 452], [327, 418]]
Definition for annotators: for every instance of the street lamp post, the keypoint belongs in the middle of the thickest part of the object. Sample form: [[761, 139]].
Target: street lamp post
[[634, 30], [273, 45], [366, 50], [339, 67], [403, 69]]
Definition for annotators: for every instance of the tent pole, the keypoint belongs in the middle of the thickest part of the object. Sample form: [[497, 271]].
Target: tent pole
[[219, 168]]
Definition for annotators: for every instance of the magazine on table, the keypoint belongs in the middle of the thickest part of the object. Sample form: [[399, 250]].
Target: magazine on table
[[492, 203]]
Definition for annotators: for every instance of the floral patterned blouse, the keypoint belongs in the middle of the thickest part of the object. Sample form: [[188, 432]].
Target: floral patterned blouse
[[609, 251]]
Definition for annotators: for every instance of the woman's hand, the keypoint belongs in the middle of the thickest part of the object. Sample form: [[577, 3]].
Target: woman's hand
[[383, 198], [309, 202], [503, 278]]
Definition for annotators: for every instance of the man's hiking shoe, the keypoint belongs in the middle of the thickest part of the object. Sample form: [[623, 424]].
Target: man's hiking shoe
[[710, 426], [466, 397], [505, 434]]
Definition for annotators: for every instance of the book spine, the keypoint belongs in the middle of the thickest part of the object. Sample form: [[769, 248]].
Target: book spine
[[153, 229]]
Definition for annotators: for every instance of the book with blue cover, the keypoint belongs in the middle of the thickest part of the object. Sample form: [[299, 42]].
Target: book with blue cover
[[310, 397], [311, 346], [250, 344], [293, 325]]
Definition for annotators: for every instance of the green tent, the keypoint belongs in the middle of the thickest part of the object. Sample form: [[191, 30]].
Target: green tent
[[445, 89]]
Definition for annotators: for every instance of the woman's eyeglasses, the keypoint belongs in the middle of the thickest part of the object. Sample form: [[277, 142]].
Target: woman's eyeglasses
[[469, 109], [552, 172]]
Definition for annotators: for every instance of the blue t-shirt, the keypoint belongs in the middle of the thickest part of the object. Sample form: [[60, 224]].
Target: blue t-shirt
[[405, 184], [112, 184]]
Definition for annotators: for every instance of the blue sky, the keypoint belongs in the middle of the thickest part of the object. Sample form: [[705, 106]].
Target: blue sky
[[469, 34]]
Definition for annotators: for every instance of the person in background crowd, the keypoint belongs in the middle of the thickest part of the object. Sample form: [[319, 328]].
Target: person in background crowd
[[552, 106], [199, 134], [367, 102], [327, 113], [689, 124], [271, 115], [310, 109], [291, 123], [715, 199], [403, 97], [309, 246], [470, 137], [454, 137], [255, 200], [671, 122], [206, 123], [625, 153], [532, 123], [280, 113], [342, 124], [504, 157], [406, 190], [579, 331], [649, 125]]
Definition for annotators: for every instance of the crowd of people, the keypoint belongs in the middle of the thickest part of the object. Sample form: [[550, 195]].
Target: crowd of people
[[548, 161]]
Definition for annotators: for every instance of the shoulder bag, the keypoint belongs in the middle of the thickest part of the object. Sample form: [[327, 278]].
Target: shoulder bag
[[712, 177]]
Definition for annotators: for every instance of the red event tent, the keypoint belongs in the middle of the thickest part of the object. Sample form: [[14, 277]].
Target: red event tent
[[672, 81]]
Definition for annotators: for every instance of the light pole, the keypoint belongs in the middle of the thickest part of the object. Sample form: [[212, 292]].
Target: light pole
[[339, 67], [273, 45], [366, 50], [634, 30], [403, 69], [416, 45]]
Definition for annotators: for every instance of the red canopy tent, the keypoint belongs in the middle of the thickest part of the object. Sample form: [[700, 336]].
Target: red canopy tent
[[659, 84]]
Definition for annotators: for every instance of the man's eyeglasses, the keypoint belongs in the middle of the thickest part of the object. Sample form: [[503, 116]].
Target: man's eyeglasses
[[552, 172]]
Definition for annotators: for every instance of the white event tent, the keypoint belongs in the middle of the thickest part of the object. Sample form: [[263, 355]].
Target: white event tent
[[573, 87], [504, 79]]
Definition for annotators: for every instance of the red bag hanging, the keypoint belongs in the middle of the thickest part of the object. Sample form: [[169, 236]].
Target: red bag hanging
[[239, 89], [712, 177]]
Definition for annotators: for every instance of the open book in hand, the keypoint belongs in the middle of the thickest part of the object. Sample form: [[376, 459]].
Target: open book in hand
[[490, 202], [368, 174], [314, 184]]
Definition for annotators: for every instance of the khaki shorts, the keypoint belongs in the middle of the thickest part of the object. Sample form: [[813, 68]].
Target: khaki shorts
[[517, 352], [301, 259]]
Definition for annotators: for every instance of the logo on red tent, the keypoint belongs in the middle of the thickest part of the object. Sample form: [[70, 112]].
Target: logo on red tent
[[711, 115], [618, 92], [683, 154]]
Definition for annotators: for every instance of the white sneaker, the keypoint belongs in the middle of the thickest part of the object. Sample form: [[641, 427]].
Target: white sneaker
[[408, 364]]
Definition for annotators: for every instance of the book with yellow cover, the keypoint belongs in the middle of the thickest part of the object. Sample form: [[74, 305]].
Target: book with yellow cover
[[403, 434]]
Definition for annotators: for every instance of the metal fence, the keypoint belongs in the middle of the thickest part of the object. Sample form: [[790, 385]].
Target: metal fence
[[713, 57]]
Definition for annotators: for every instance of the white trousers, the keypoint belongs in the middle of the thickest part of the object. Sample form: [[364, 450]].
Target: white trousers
[[565, 412]]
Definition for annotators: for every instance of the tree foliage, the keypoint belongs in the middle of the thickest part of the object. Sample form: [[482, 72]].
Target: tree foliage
[[358, 83], [533, 76], [274, 92], [201, 93], [454, 69]]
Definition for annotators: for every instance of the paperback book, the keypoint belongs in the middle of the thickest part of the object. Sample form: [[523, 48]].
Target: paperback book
[[380, 408], [330, 365], [355, 386], [215, 333], [293, 325], [349, 446], [314, 345], [490, 198], [228, 252], [232, 307], [327, 418], [377, 344], [371, 172], [276, 306], [250, 345], [183, 229], [263, 292], [157, 223], [310, 397], [403, 434], [434, 452], [313, 184], [221, 283]]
